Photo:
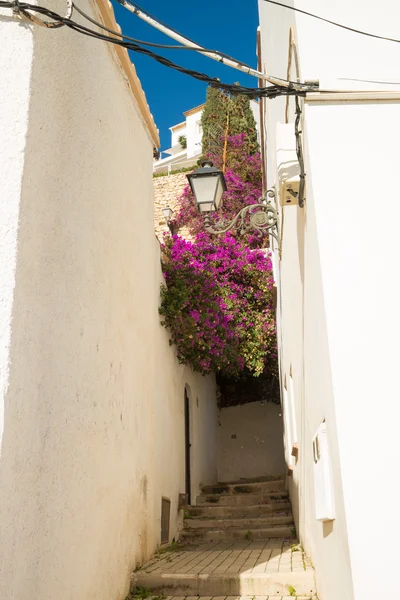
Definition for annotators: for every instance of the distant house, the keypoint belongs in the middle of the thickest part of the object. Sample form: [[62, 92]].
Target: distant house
[[186, 140], [185, 147]]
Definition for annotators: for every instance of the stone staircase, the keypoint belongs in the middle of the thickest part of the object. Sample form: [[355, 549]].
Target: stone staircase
[[238, 541], [251, 511]]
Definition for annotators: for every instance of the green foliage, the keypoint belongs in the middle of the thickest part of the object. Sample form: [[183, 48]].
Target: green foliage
[[292, 591], [213, 121], [225, 116], [164, 174], [234, 392], [141, 593], [241, 120], [173, 547], [182, 141]]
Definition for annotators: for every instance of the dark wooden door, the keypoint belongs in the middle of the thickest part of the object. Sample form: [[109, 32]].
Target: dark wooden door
[[187, 448]]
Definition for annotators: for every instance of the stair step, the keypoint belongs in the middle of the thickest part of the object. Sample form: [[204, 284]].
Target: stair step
[[241, 499], [237, 512], [232, 534], [263, 487], [243, 523], [246, 480], [243, 584], [236, 597]]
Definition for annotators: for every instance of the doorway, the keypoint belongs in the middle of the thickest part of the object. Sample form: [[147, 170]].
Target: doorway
[[188, 445]]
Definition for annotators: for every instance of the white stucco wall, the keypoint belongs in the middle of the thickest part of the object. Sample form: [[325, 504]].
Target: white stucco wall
[[175, 135], [93, 396], [362, 319], [250, 441], [255, 109], [335, 335], [194, 134], [16, 42]]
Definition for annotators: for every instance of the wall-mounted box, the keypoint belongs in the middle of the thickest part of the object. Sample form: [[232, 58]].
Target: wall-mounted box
[[324, 500], [288, 168]]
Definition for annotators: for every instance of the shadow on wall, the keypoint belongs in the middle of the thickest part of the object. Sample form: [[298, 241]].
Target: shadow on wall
[[250, 442]]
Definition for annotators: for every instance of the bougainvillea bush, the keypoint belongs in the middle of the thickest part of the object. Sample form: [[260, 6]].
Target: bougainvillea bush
[[217, 305]]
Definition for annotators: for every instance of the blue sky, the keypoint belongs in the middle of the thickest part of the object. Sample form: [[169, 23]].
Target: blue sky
[[229, 26]]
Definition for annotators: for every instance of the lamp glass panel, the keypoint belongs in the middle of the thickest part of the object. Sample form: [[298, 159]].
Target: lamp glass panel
[[167, 212], [204, 189], [218, 195]]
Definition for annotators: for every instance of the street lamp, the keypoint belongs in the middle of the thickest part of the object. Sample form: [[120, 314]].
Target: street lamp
[[208, 185], [168, 212]]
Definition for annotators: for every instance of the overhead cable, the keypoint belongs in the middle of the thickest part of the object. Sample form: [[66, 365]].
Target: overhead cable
[[137, 41], [228, 61], [18, 10], [308, 14], [269, 91]]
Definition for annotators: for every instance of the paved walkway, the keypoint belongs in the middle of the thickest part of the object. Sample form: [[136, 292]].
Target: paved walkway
[[238, 598], [261, 556]]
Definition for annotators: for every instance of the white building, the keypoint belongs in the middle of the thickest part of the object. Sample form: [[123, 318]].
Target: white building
[[189, 133], [93, 434], [339, 290]]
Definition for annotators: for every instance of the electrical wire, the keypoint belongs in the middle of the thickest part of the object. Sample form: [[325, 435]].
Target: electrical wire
[[221, 54], [142, 42], [270, 91], [228, 61], [299, 153], [308, 14], [146, 12], [17, 10]]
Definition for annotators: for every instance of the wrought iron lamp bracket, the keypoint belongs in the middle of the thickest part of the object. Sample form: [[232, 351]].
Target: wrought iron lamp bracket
[[261, 217]]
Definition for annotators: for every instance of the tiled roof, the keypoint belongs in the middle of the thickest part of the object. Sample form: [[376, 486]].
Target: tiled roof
[[194, 110], [179, 126]]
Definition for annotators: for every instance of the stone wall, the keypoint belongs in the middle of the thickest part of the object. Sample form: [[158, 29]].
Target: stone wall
[[167, 191]]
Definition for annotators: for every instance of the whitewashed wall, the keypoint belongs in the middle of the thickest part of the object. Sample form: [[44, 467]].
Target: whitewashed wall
[[338, 322], [93, 398], [175, 135], [250, 441], [194, 134]]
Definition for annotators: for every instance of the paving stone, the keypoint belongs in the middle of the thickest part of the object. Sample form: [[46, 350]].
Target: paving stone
[[262, 568]]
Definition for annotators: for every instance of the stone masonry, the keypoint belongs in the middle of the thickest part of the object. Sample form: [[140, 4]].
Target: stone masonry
[[167, 191]]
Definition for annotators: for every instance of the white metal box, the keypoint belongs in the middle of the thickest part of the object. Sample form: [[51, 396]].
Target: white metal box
[[324, 500], [288, 168]]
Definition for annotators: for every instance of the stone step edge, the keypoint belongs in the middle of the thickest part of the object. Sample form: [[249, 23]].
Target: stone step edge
[[231, 487], [238, 528], [240, 488], [243, 507], [243, 530], [254, 584], [283, 531], [261, 479], [273, 515], [271, 493], [227, 523], [256, 492]]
